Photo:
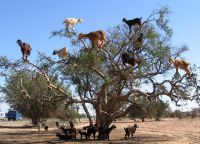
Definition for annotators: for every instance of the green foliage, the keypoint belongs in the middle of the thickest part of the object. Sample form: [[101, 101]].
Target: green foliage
[[146, 109], [38, 103]]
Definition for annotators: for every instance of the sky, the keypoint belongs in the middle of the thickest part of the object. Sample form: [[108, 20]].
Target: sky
[[32, 21]]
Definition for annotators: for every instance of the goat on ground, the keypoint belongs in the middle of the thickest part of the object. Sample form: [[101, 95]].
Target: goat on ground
[[62, 53], [25, 49], [109, 130], [97, 38], [130, 58], [83, 133], [181, 64], [133, 22], [46, 128], [70, 133], [130, 130], [106, 131], [91, 130], [71, 22]]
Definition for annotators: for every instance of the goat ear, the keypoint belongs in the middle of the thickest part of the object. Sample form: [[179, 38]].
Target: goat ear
[[54, 52]]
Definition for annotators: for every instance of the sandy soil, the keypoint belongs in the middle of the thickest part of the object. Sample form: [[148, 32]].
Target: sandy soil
[[167, 131]]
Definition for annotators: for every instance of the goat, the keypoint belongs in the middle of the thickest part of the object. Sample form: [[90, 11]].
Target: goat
[[83, 133], [71, 124], [181, 64], [71, 132], [91, 130], [130, 23], [97, 38], [71, 22], [130, 58], [109, 130], [62, 53], [46, 128], [25, 49], [138, 42], [130, 130]]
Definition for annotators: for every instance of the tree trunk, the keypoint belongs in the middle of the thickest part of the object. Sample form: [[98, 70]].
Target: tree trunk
[[103, 134], [103, 122], [87, 114]]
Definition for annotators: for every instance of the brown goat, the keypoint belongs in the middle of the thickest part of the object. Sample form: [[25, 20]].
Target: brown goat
[[25, 49], [181, 64], [130, 130], [62, 53], [97, 38]]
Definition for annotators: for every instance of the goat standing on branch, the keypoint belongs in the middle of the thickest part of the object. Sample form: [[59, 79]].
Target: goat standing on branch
[[130, 58], [62, 53], [71, 22], [97, 38], [25, 49], [181, 64], [133, 22]]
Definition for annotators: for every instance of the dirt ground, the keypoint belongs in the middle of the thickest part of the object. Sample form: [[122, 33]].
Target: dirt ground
[[167, 131]]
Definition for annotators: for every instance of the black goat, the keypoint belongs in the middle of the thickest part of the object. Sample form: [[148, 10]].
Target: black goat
[[46, 128], [62, 137], [69, 133], [57, 124], [25, 49], [91, 130], [130, 23], [109, 130], [130, 58], [83, 133]]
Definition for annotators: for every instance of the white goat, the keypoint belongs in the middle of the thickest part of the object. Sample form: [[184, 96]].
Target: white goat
[[62, 53], [71, 22]]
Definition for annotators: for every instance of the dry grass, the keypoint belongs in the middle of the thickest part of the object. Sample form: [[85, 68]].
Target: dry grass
[[167, 131]]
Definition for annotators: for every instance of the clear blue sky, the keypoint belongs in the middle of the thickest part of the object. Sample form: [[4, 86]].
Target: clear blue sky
[[34, 20]]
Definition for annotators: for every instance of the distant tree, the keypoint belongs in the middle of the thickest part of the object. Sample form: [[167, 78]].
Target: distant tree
[[145, 109], [178, 114], [195, 112], [64, 113], [160, 109], [30, 95]]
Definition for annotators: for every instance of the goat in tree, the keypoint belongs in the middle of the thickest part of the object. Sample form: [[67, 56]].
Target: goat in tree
[[97, 38], [25, 49], [133, 22], [62, 53], [130, 130], [130, 58], [71, 22], [181, 64]]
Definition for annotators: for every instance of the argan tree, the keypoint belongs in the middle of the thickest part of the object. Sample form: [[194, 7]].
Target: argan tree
[[100, 80]]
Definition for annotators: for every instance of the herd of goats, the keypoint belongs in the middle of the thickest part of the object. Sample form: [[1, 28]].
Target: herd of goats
[[98, 40], [69, 133]]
